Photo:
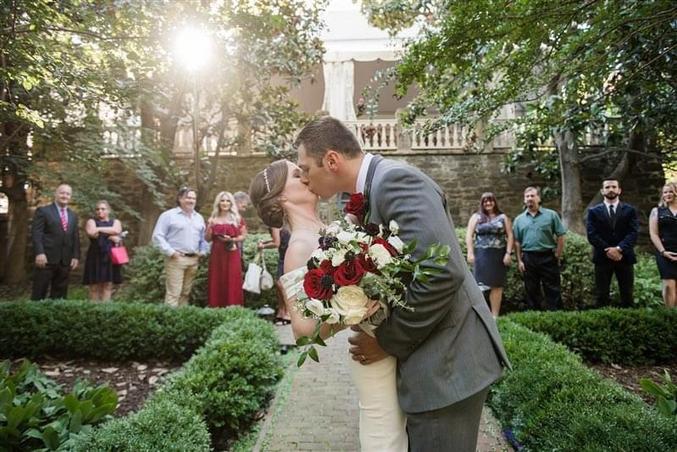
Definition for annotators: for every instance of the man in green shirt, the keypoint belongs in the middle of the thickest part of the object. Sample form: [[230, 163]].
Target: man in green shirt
[[539, 243]]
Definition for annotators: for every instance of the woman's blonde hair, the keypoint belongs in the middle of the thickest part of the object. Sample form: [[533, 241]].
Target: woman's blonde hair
[[673, 185], [265, 191], [233, 207]]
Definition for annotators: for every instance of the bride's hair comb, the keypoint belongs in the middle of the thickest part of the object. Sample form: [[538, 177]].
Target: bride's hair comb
[[265, 178]]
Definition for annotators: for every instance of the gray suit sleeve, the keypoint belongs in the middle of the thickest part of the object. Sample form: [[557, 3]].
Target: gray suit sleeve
[[415, 204]]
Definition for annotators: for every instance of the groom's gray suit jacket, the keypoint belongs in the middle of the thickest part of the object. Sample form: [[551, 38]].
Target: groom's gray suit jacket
[[448, 348]]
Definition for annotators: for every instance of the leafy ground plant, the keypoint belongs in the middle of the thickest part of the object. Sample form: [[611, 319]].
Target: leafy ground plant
[[35, 415], [666, 394]]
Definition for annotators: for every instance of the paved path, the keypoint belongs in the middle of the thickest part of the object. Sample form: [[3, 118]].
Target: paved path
[[315, 408]]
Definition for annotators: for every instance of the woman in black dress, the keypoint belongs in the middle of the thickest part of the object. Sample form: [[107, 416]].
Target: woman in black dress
[[100, 274], [663, 233]]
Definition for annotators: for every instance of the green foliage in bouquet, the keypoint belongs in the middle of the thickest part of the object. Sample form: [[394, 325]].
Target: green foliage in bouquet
[[35, 415], [624, 336], [551, 401]]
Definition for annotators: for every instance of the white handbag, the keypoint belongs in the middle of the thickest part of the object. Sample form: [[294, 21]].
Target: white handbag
[[267, 282], [252, 279]]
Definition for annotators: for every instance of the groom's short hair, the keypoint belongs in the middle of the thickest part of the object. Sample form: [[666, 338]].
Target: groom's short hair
[[325, 133]]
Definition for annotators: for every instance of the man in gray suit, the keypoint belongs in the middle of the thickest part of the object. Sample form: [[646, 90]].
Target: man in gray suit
[[448, 347]]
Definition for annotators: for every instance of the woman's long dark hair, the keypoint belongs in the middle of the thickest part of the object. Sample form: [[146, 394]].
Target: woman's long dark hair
[[484, 215]]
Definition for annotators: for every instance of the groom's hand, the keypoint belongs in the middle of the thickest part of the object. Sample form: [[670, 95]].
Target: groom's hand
[[364, 348]]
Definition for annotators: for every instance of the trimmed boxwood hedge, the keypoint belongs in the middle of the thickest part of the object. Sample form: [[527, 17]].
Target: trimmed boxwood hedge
[[623, 336], [225, 383], [113, 331], [552, 401]]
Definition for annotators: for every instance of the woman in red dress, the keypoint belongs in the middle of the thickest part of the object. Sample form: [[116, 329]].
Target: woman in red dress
[[224, 231]]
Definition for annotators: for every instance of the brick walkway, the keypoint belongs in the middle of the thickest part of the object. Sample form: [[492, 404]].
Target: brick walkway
[[315, 408]]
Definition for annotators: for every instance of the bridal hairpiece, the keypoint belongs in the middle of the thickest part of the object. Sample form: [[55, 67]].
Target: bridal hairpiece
[[265, 178]]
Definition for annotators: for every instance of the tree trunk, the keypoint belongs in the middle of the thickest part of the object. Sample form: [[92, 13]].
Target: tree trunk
[[572, 201], [18, 235]]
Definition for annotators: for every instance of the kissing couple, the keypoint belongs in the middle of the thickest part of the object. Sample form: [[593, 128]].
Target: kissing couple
[[423, 374]]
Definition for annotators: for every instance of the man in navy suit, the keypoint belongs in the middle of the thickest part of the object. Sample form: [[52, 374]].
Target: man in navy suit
[[56, 243], [612, 231]]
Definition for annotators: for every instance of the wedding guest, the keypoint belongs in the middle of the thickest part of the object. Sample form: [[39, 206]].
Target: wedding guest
[[612, 228], [539, 244], [56, 243], [224, 230], [490, 242], [100, 274], [179, 234], [663, 233], [280, 240]]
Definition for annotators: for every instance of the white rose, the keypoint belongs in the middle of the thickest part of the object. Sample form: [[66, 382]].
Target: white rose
[[345, 236], [396, 242], [394, 227], [333, 316], [315, 306], [351, 303], [319, 254], [338, 258], [380, 254], [333, 228]]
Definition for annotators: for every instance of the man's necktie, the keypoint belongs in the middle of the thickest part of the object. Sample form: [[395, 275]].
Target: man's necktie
[[64, 220], [612, 215]]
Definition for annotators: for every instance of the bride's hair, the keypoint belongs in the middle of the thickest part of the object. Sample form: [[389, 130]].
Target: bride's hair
[[265, 191]]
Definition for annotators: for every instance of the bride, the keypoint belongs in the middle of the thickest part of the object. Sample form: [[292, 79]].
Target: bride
[[280, 197]]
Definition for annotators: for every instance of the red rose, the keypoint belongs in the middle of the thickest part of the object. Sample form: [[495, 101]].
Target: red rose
[[348, 273], [391, 249], [367, 264], [326, 267], [357, 205], [318, 284]]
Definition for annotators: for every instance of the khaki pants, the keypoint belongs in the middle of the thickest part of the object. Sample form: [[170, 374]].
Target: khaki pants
[[180, 273]]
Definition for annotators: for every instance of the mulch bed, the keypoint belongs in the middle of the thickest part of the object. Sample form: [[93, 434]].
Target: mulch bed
[[629, 377], [133, 381]]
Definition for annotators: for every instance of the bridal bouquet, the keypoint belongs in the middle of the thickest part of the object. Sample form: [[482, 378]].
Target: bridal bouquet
[[354, 267]]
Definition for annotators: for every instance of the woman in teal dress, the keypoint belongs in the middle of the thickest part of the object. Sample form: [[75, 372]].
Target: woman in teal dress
[[490, 242]]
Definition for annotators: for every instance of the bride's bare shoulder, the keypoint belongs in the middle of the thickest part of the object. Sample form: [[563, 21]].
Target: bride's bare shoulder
[[298, 252]]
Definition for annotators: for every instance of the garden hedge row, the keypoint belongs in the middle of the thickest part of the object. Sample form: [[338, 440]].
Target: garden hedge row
[[578, 279], [623, 336], [224, 384], [145, 279], [551, 401]]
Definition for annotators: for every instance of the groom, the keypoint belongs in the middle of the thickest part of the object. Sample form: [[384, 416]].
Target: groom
[[448, 348]]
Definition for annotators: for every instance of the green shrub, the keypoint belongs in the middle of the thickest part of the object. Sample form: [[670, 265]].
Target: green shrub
[[35, 414], [160, 426], [578, 277], [551, 401], [145, 281], [112, 331], [232, 376], [624, 336]]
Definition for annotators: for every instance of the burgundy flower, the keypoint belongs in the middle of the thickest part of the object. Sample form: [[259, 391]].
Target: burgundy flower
[[318, 284], [357, 205], [367, 264], [349, 273], [372, 229]]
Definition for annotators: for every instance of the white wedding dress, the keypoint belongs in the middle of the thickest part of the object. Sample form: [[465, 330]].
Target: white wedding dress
[[382, 422]]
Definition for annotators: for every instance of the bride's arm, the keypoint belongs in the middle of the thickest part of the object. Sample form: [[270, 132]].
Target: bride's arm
[[297, 256]]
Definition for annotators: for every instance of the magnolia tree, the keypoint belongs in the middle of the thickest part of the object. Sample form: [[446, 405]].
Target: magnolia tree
[[574, 66], [81, 80]]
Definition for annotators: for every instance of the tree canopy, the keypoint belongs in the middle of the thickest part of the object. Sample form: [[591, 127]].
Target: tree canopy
[[575, 66]]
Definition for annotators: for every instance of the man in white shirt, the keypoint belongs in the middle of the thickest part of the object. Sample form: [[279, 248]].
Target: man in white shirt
[[180, 235]]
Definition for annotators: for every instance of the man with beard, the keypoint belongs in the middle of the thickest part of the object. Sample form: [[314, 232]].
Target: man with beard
[[539, 244], [612, 228]]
